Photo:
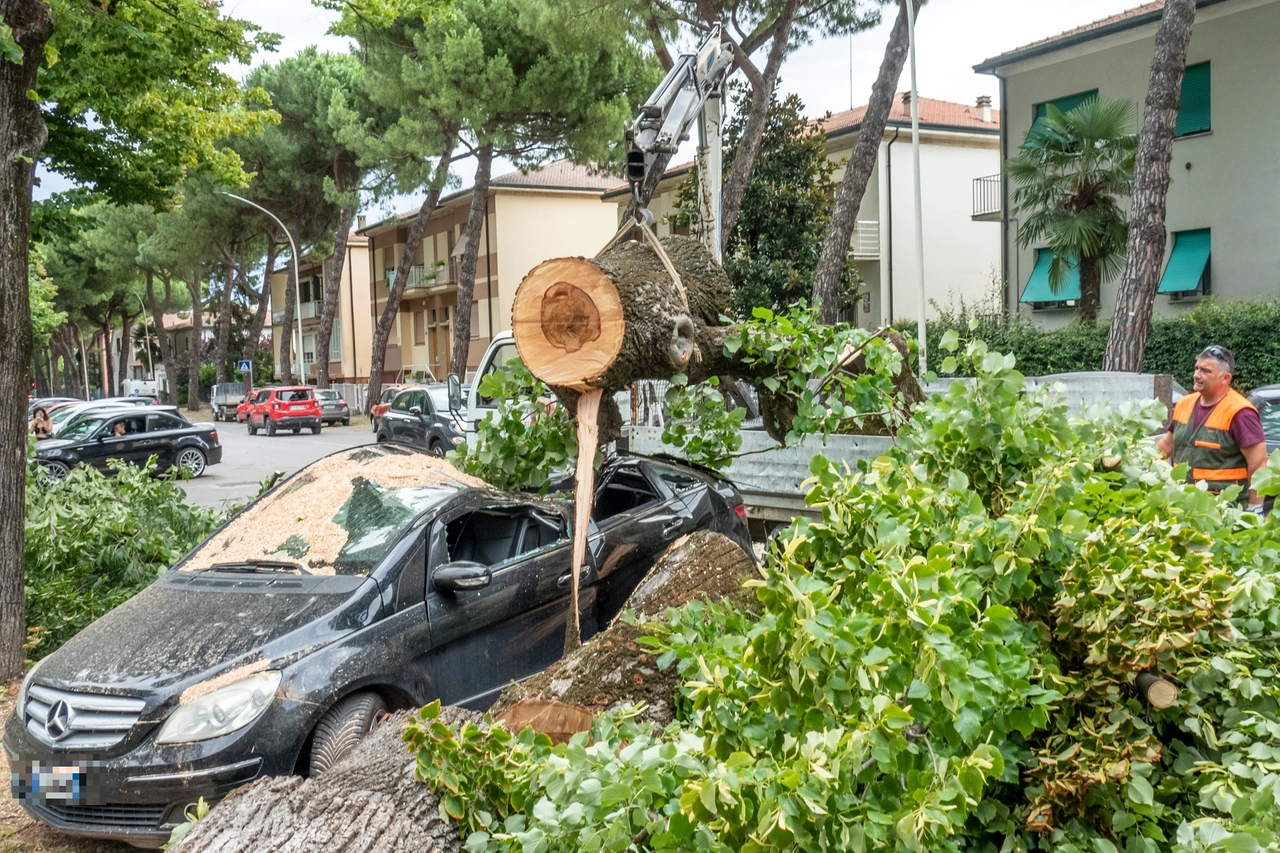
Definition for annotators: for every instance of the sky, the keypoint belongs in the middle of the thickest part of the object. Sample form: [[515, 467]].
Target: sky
[[828, 75]]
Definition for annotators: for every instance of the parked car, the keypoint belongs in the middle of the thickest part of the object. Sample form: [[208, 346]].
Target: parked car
[[333, 408], [420, 416], [384, 402], [290, 407], [1267, 399], [375, 578], [97, 436], [61, 414], [246, 402], [47, 403]]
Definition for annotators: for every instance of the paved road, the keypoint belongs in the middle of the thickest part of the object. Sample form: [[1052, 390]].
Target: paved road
[[249, 459]]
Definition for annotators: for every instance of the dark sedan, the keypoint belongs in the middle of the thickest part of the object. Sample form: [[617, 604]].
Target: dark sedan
[[132, 434], [378, 577], [420, 416]]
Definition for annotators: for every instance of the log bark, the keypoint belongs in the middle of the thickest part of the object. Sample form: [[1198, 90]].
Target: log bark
[[1136, 298], [22, 136], [835, 243]]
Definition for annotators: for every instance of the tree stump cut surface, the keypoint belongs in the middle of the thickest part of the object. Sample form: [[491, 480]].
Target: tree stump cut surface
[[567, 320]]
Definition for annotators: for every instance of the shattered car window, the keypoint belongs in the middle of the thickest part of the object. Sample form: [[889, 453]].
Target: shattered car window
[[340, 515]]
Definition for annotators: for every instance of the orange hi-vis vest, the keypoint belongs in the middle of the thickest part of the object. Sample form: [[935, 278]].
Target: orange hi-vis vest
[[1209, 450]]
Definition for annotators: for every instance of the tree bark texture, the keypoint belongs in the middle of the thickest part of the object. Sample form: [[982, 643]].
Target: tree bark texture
[[382, 331], [126, 347], [22, 136], [222, 347], [370, 802], [288, 328], [762, 86], [844, 217], [1131, 322], [195, 355], [1090, 289], [661, 339], [471, 250], [332, 290], [158, 307], [264, 302]]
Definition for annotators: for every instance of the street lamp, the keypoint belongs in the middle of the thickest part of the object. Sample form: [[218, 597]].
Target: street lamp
[[297, 281]]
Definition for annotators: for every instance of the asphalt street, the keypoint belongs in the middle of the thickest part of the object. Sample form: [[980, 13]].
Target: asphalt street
[[249, 459]]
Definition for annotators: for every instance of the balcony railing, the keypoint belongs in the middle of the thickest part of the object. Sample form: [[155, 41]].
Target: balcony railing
[[866, 239], [987, 198], [312, 310]]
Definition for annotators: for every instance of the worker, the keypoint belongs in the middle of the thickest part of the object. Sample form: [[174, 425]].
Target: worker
[[1215, 430]]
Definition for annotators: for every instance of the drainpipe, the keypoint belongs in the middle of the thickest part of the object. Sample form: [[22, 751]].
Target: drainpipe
[[351, 299], [888, 161], [1004, 202]]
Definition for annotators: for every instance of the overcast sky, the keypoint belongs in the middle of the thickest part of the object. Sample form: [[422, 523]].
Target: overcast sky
[[830, 75]]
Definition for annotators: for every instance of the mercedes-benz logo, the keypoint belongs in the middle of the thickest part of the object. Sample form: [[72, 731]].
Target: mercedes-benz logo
[[57, 723]]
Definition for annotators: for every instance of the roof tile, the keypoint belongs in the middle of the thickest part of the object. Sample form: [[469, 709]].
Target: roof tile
[[1117, 18]]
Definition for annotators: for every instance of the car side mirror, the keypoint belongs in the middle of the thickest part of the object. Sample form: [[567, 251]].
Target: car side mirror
[[415, 410], [455, 393], [462, 576]]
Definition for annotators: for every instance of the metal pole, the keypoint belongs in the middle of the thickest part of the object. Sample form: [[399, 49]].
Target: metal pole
[[297, 281], [915, 161]]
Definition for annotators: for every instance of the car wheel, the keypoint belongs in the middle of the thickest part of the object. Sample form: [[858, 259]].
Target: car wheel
[[192, 460], [315, 430], [341, 728], [55, 471], [346, 421], [436, 449], [374, 423], [297, 430], [270, 425], [253, 430]]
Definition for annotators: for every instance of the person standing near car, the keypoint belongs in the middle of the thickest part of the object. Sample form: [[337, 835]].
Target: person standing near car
[[42, 424], [1215, 430]]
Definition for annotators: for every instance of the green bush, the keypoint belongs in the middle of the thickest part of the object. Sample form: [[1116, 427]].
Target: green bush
[[93, 541], [944, 662], [1246, 328]]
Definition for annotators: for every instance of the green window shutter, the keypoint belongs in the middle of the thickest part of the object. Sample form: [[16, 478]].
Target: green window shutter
[[1186, 262], [1193, 113], [1038, 289], [1066, 104]]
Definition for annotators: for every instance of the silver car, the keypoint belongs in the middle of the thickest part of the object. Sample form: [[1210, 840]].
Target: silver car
[[333, 408]]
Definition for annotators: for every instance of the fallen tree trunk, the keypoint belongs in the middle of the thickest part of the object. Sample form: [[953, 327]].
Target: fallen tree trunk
[[372, 800], [565, 318]]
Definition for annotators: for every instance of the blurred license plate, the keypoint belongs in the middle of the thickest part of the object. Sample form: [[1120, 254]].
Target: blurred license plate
[[67, 783], [298, 405]]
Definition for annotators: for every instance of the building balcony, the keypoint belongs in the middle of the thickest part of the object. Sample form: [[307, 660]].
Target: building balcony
[[865, 243], [987, 194]]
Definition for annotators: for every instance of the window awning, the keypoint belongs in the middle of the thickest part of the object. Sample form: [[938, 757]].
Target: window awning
[[1186, 262], [1038, 289]]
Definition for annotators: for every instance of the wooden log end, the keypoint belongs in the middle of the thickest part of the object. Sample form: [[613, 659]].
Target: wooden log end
[[1158, 692], [568, 322], [557, 720]]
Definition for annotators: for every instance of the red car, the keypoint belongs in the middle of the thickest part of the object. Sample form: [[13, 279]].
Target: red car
[[292, 407], [379, 409], [242, 408]]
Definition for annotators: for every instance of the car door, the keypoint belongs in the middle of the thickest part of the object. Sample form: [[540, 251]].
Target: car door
[[105, 446], [513, 628], [257, 411], [163, 433], [638, 517], [396, 416], [417, 425]]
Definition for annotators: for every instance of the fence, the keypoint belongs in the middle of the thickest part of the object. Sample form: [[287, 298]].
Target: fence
[[354, 394], [986, 196]]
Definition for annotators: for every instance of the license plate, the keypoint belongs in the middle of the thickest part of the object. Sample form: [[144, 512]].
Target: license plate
[[297, 406], [63, 782]]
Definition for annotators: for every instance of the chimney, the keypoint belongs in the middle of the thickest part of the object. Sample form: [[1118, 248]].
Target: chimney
[[984, 108], [906, 102], [360, 218]]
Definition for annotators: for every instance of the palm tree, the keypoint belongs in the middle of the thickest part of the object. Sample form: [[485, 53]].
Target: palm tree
[[1069, 177]]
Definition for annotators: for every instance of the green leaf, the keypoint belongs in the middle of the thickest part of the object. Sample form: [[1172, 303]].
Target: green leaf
[[1140, 791]]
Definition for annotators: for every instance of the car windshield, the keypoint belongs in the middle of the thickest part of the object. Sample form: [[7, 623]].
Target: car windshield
[[293, 395], [1269, 413], [339, 515], [327, 395], [64, 414], [388, 395], [82, 427], [439, 397]]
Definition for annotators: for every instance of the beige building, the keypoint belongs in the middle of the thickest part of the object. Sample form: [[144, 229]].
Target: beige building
[[958, 143], [1224, 203], [351, 340], [551, 212]]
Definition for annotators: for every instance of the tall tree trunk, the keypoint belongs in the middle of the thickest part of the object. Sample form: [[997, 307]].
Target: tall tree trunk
[[38, 361], [194, 357], [467, 277], [382, 332], [287, 328], [835, 243], [762, 86], [1136, 299], [229, 275], [1090, 290], [264, 302], [126, 348], [22, 135], [157, 308], [332, 290]]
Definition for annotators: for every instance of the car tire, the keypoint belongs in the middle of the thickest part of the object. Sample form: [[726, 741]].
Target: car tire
[[192, 459], [346, 421], [55, 471], [297, 430], [253, 430], [436, 449], [314, 430], [270, 426], [341, 728], [374, 424]]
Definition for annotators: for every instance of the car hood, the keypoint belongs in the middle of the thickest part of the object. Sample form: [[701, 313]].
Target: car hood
[[44, 445], [189, 626]]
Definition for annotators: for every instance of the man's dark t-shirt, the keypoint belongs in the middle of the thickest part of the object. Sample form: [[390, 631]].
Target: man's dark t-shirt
[[1246, 427]]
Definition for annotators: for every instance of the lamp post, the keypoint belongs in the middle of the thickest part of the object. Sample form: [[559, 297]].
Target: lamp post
[[915, 165], [297, 281]]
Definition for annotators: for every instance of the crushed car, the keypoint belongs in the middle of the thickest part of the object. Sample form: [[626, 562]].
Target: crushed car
[[376, 578]]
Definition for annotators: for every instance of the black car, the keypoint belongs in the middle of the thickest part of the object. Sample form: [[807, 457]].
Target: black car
[[420, 416], [133, 434], [378, 577]]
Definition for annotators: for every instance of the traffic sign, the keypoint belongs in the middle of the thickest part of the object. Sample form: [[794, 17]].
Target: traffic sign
[[244, 366]]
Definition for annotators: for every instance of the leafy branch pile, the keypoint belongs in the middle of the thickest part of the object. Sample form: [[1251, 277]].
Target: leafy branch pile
[[944, 662]]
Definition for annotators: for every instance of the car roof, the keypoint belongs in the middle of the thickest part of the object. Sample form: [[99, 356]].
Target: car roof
[[1266, 392]]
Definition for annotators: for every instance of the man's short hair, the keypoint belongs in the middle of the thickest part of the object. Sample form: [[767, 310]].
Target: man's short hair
[[1220, 354]]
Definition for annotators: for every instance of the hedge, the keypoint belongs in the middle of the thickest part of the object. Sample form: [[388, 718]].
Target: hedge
[[1251, 330]]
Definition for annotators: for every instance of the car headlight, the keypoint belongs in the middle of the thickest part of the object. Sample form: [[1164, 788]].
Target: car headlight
[[458, 439], [221, 711]]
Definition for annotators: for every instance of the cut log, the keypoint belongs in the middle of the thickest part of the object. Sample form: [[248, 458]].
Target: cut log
[[1159, 692], [613, 670], [370, 802]]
